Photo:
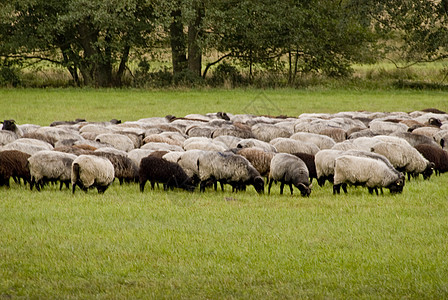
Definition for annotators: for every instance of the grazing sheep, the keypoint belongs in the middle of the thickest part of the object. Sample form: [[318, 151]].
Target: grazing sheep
[[228, 168], [199, 131], [90, 171], [118, 141], [58, 123], [426, 131], [310, 163], [29, 146], [158, 170], [367, 172], [414, 139], [337, 134], [435, 155], [325, 160], [159, 153], [136, 155], [405, 158], [125, 169], [158, 138], [161, 147], [268, 132], [384, 127], [10, 125], [228, 140], [189, 163], [250, 143], [321, 141], [50, 166], [173, 156], [287, 145], [209, 145], [73, 150], [7, 137], [13, 163], [54, 134], [235, 130], [441, 138], [291, 170], [260, 159], [361, 133]]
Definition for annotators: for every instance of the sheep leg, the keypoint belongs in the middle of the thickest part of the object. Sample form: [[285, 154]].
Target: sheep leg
[[344, 187], [336, 189], [153, 184], [101, 189], [202, 186], [290, 188], [282, 185], [222, 186], [270, 184], [142, 186]]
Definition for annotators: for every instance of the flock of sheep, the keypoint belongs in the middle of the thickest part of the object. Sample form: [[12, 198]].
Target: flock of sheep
[[369, 149]]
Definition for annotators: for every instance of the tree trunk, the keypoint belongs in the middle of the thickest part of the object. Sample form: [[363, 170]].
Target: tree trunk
[[95, 66], [177, 39], [194, 39], [122, 67]]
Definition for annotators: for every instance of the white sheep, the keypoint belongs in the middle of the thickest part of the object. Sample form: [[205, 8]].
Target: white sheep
[[321, 141], [50, 166], [384, 127], [325, 160], [251, 143], [405, 158], [268, 132], [365, 171], [288, 145], [29, 146], [116, 140], [161, 147], [92, 171]]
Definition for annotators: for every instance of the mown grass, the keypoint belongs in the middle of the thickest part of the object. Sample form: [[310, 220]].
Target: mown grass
[[43, 106], [125, 244]]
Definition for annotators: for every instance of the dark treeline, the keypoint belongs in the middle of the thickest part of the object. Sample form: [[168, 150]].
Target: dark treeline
[[96, 41]]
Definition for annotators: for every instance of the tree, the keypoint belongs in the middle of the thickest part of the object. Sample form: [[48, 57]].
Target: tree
[[316, 35], [93, 37], [416, 30]]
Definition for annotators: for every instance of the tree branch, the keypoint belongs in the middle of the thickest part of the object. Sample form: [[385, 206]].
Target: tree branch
[[24, 56], [214, 63]]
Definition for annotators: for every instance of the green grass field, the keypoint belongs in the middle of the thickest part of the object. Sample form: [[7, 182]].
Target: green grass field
[[220, 245]]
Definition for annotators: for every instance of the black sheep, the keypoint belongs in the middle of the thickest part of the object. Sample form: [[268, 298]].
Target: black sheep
[[125, 169], [14, 164], [308, 159], [154, 169], [435, 155]]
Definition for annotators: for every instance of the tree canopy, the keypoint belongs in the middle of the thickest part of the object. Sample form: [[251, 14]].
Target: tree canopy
[[96, 40]]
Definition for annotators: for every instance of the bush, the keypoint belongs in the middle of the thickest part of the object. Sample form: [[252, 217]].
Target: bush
[[187, 78], [226, 74], [9, 75]]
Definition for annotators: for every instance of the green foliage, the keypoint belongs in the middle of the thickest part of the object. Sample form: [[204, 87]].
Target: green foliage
[[9, 74], [418, 29], [187, 78], [226, 74]]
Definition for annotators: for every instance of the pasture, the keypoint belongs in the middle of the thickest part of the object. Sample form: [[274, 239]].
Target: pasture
[[175, 244]]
